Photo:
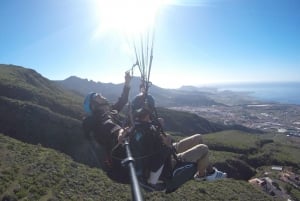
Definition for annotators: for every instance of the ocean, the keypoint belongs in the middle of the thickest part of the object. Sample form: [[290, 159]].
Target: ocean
[[283, 92]]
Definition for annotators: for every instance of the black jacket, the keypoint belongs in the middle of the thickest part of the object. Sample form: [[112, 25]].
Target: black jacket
[[104, 127], [147, 147]]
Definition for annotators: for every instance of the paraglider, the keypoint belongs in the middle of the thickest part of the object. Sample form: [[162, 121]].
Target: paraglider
[[136, 23]]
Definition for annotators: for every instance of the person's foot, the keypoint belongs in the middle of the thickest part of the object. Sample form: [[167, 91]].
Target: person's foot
[[216, 175], [197, 177], [160, 186]]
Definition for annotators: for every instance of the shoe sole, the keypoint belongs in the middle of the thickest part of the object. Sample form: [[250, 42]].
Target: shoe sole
[[150, 189]]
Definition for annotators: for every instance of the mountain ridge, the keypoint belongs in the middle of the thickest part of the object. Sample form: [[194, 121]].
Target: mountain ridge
[[164, 97]]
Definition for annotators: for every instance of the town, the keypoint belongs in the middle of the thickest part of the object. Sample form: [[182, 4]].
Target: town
[[276, 118], [271, 117], [271, 182]]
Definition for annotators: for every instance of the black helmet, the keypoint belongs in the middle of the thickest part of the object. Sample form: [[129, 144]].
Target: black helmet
[[141, 104]]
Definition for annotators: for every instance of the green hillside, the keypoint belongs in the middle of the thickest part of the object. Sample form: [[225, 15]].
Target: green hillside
[[185, 123], [31, 172], [36, 111], [24, 84], [33, 109], [257, 150]]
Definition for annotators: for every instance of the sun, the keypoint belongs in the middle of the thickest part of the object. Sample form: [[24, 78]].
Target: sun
[[127, 16], [131, 23]]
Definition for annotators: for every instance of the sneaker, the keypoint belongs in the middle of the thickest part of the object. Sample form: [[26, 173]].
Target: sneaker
[[153, 187], [197, 177], [216, 175]]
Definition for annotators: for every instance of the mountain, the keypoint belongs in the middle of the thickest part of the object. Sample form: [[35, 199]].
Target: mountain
[[35, 110], [27, 85], [163, 97], [189, 123]]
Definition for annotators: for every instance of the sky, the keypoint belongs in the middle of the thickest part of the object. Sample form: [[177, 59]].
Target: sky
[[196, 42]]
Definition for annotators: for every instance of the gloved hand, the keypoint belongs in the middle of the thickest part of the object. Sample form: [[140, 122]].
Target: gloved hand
[[122, 134], [127, 78]]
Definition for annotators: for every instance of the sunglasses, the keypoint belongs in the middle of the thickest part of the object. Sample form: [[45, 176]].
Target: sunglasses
[[100, 100]]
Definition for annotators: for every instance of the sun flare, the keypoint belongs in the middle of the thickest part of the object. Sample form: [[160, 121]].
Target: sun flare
[[127, 16], [129, 22]]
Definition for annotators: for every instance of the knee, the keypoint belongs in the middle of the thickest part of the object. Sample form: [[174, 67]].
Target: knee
[[198, 138], [201, 149], [194, 154]]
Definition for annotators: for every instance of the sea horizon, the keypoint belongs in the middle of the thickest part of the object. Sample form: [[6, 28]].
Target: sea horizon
[[280, 92]]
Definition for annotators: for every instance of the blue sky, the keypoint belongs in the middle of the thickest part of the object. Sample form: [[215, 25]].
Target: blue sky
[[196, 42]]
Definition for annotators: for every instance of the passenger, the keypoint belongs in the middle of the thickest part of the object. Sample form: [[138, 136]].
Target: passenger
[[190, 149], [147, 147], [143, 102]]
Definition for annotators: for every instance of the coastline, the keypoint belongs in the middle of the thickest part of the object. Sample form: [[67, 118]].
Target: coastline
[[278, 92]]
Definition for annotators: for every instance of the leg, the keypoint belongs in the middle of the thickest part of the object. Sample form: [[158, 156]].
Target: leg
[[198, 154], [188, 143]]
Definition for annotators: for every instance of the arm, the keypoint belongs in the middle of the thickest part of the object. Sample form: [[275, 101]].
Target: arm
[[166, 139], [124, 96], [117, 133], [106, 133]]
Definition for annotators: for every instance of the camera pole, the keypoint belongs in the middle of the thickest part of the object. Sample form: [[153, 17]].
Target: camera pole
[[129, 162]]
